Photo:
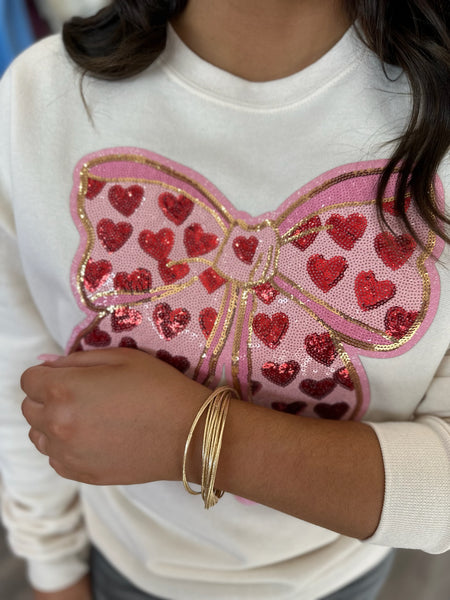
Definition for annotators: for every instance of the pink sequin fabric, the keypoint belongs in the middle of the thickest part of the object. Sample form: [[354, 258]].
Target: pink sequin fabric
[[283, 304]]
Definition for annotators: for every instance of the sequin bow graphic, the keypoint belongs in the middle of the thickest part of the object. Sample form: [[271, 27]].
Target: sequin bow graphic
[[282, 305]]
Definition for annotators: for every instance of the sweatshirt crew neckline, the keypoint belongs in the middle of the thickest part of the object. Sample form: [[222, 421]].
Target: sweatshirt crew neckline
[[205, 78]]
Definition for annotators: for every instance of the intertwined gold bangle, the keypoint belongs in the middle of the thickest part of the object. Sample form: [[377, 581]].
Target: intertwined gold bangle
[[217, 405]]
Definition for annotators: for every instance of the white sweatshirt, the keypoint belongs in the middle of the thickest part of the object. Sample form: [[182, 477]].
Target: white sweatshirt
[[248, 209]]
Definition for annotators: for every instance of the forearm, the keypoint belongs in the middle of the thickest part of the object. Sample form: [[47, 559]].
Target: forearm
[[329, 473]]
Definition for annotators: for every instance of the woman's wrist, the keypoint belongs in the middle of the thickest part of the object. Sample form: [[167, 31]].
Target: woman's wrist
[[215, 408], [183, 414]]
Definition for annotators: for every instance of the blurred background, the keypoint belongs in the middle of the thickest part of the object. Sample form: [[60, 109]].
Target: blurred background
[[22, 22], [415, 576]]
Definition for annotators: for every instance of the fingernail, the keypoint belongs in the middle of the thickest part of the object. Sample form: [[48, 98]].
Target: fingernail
[[244, 501], [48, 357]]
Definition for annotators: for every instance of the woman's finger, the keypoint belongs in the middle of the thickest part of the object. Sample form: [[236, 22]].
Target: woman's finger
[[34, 413], [35, 382], [40, 440], [92, 358]]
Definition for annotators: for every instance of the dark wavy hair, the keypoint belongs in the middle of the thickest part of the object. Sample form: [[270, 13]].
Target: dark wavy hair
[[126, 36]]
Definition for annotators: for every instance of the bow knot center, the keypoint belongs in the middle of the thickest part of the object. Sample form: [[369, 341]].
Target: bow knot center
[[249, 255]]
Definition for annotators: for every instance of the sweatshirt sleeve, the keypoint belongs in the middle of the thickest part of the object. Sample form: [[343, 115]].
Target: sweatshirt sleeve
[[40, 509], [416, 454]]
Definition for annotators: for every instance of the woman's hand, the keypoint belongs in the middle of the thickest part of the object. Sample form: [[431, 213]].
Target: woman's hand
[[79, 591], [111, 417], [121, 416]]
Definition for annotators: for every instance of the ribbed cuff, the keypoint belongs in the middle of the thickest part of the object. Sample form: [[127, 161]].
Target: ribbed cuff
[[416, 511], [53, 576]]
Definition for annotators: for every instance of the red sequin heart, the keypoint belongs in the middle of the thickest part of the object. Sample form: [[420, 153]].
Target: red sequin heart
[[94, 188], [180, 363], [271, 330], [125, 319], [157, 245], [326, 273], [306, 240], [394, 251], [128, 342], [98, 338], [207, 319], [342, 376], [113, 236], [266, 293], [126, 200], [390, 206], [331, 411], [371, 293], [281, 374], [170, 323], [211, 280], [139, 280], [317, 389], [96, 273], [245, 248], [293, 408], [175, 209], [320, 347], [346, 231], [174, 273], [399, 321], [197, 242]]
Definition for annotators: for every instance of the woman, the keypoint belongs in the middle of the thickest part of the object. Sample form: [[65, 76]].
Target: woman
[[225, 197]]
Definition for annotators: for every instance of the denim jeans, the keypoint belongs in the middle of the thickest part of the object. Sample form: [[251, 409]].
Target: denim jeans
[[108, 584]]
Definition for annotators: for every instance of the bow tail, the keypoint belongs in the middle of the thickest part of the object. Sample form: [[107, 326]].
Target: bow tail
[[287, 358], [213, 368]]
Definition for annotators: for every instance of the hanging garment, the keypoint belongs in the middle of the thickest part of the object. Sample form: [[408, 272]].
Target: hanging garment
[[38, 23]]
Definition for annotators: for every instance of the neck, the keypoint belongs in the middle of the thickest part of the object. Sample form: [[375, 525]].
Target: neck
[[261, 40]]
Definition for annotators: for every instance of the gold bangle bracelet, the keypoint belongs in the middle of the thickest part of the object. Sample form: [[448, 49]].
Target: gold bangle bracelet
[[217, 405]]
